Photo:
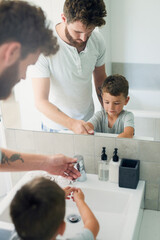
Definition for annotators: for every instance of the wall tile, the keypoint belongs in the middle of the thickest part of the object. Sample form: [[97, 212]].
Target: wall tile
[[10, 138], [127, 148], [159, 200], [64, 143], [151, 196], [97, 159], [151, 204], [150, 172], [157, 129], [89, 163], [24, 140], [44, 142], [149, 151], [83, 144]]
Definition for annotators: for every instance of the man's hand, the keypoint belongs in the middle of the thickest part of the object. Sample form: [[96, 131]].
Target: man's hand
[[81, 127], [63, 166]]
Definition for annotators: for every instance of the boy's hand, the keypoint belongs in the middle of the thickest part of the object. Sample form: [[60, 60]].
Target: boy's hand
[[68, 190], [78, 195], [81, 127]]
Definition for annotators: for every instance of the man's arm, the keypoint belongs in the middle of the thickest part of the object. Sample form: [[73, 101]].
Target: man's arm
[[41, 87], [99, 76], [56, 164], [128, 133], [89, 220]]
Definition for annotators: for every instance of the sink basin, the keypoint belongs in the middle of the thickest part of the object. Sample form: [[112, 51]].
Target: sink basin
[[118, 210], [104, 201]]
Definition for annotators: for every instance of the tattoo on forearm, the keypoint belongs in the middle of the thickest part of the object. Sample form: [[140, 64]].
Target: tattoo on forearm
[[12, 158]]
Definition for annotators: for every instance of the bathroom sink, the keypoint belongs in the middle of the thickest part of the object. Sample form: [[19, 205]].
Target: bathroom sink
[[104, 201], [118, 210]]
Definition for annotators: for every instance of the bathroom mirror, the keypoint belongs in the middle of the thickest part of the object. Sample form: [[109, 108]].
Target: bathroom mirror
[[132, 42]]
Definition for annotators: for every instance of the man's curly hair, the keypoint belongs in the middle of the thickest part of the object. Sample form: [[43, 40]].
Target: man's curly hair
[[89, 12], [26, 24]]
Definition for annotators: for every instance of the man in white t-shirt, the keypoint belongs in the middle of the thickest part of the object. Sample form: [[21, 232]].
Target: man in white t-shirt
[[62, 83]]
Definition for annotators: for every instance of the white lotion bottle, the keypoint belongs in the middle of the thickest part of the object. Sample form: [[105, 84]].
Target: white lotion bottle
[[103, 167], [114, 167]]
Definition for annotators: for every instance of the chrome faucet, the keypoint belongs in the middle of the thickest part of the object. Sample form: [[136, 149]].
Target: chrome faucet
[[81, 168]]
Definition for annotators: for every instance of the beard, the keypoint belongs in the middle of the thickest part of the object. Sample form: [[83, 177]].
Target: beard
[[8, 79], [73, 42]]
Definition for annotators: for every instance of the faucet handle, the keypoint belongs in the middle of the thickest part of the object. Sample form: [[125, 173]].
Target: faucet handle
[[81, 168], [80, 163]]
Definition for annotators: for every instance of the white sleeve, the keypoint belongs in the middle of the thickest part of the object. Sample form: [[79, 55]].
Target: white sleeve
[[102, 51], [40, 69], [129, 120]]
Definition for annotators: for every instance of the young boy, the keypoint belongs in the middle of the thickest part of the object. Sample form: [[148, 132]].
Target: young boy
[[113, 119], [38, 211]]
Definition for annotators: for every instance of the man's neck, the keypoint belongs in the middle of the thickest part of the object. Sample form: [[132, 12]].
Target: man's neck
[[60, 29]]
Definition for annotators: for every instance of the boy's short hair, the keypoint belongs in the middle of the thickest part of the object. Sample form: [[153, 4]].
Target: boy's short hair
[[26, 24], [89, 12], [116, 85], [38, 209]]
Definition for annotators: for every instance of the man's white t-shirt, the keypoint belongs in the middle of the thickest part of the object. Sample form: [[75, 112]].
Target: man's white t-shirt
[[70, 76]]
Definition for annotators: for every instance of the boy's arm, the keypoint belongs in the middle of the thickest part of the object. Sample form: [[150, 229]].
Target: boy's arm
[[89, 220], [128, 133]]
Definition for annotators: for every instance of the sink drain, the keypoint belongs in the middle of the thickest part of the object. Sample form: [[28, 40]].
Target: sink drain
[[73, 218]]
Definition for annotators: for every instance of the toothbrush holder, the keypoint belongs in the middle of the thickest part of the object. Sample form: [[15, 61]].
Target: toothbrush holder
[[129, 173]]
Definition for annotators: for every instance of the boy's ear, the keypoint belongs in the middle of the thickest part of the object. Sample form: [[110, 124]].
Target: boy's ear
[[127, 100], [64, 19], [10, 53], [61, 228]]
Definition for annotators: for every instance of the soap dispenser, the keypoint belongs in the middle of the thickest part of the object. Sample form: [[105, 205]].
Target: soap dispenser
[[103, 168], [114, 167]]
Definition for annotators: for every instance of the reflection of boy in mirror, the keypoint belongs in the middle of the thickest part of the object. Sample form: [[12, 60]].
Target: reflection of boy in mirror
[[113, 118], [62, 83], [38, 211]]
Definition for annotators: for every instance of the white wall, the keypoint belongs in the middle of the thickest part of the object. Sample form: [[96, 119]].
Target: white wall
[[135, 44], [135, 34]]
